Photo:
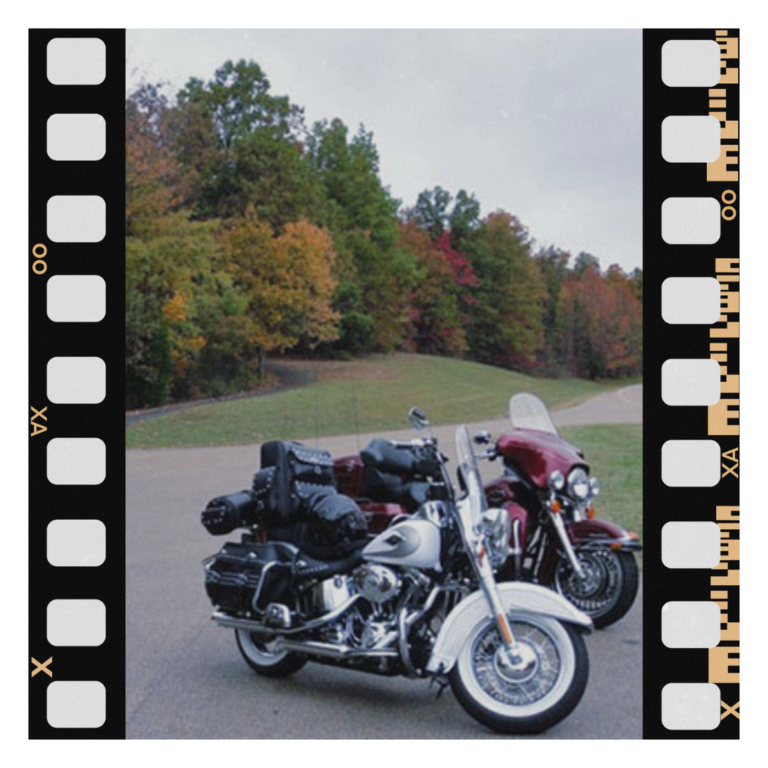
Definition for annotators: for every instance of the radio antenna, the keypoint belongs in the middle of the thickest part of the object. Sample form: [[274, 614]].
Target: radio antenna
[[317, 407], [354, 411]]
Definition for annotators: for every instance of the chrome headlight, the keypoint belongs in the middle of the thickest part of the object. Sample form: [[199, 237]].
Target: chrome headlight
[[556, 481], [594, 484], [578, 484], [497, 528]]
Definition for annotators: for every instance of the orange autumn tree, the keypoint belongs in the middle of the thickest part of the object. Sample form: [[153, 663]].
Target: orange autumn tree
[[154, 179], [287, 282], [600, 324]]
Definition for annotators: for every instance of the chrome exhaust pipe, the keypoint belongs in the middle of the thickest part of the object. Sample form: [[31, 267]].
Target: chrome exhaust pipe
[[233, 622], [328, 650]]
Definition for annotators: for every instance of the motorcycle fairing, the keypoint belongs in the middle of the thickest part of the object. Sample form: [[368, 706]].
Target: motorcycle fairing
[[538, 454]]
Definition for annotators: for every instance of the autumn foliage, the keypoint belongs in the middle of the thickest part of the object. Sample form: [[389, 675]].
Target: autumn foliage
[[251, 234]]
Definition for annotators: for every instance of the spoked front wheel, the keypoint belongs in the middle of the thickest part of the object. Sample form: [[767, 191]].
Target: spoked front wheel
[[526, 693], [262, 657], [608, 588]]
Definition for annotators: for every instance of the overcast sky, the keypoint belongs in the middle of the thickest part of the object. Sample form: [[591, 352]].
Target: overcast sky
[[545, 124]]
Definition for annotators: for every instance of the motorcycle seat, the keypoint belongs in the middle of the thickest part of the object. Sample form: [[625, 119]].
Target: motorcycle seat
[[390, 488], [323, 565]]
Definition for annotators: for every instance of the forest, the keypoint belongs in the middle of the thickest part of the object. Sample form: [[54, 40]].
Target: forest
[[251, 234]]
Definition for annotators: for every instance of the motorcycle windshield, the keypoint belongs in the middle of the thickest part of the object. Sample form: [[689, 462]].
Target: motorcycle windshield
[[469, 477], [526, 411]]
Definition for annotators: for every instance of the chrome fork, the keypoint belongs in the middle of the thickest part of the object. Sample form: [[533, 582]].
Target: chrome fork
[[565, 540]]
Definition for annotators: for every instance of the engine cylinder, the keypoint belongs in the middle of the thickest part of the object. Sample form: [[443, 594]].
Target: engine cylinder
[[376, 583]]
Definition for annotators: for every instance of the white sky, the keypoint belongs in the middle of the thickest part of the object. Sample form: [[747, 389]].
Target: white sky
[[543, 123]]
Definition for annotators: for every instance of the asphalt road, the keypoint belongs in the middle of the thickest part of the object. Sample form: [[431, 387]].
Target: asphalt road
[[185, 677]]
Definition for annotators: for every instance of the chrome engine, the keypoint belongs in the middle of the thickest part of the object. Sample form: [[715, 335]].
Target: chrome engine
[[377, 583], [326, 596], [369, 623]]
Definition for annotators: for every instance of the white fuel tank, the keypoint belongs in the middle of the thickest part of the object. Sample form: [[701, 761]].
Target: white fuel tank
[[414, 543]]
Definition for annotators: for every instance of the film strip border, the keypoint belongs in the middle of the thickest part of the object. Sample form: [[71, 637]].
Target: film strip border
[[691, 432], [77, 391]]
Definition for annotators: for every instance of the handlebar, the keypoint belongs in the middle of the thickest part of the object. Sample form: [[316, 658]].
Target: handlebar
[[417, 442]]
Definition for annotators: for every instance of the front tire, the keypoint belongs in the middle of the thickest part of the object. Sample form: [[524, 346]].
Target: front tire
[[542, 691], [263, 661], [610, 586]]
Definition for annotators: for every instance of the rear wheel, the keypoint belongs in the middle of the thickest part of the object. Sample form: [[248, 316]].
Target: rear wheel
[[608, 588], [531, 692], [262, 658]]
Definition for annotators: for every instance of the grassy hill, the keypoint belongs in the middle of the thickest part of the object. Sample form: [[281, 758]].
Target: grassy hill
[[363, 395]]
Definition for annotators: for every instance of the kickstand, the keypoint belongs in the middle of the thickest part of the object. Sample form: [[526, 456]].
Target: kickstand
[[441, 682]]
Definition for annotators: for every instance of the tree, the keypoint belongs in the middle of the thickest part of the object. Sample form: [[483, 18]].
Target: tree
[[584, 262], [431, 211], [505, 325], [246, 146], [177, 295], [154, 179], [436, 325], [601, 329], [287, 283], [360, 213], [553, 267], [464, 218]]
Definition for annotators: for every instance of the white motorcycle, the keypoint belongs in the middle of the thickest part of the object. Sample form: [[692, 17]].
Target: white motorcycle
[[419, 600]]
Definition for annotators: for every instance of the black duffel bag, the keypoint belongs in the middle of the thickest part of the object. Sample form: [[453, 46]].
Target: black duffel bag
[[330, 526], [334, 519], [225, 513]]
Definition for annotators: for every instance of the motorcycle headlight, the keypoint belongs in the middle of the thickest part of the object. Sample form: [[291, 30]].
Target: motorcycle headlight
[[578, 484], [556, 481], [497, 528], [594, 484]]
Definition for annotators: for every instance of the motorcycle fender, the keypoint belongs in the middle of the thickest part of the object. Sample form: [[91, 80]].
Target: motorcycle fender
[[515, 596], [602, 533]]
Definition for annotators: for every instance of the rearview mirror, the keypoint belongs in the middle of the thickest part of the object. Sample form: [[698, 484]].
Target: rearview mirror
[[418, 418], [481, 438]]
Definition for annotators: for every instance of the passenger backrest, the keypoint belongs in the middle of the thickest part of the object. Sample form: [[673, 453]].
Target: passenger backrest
[[290, 473]]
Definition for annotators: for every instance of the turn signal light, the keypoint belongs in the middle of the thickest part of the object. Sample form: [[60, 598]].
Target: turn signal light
[[591, 512], [556, 506]]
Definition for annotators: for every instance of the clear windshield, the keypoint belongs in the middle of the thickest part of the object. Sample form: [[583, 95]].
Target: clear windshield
[[528, 412], [470, 476]]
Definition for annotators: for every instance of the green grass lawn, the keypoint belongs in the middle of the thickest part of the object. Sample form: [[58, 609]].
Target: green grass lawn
[[363, 396], [615, 454]]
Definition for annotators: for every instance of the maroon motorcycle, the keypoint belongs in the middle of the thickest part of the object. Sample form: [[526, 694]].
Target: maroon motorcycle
[[548, 492]]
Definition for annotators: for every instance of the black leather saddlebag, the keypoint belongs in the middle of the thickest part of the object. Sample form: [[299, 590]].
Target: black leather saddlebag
[[290, 473], [225, 513], [233, 576]]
